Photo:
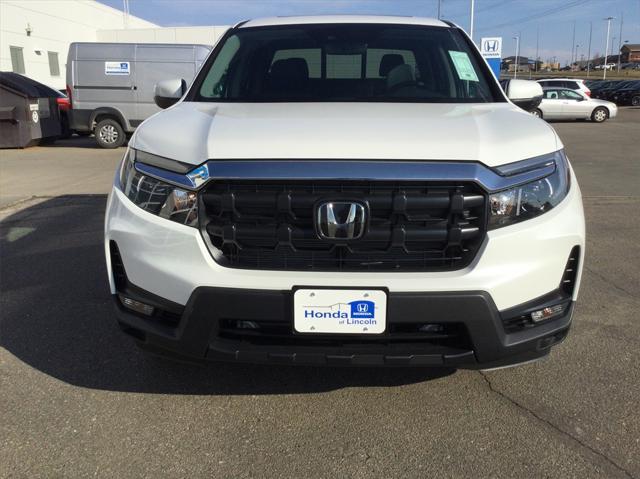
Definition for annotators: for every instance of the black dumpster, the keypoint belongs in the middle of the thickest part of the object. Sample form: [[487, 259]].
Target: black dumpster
[[29, 112]]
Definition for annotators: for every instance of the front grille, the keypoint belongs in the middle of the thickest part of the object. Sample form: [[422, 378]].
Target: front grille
[[413, 226]]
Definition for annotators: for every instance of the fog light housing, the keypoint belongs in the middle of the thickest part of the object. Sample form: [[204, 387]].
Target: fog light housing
[[548, 312], [136, 306]]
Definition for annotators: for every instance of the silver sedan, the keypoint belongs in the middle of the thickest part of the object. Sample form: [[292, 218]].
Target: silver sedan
[[566, 104]]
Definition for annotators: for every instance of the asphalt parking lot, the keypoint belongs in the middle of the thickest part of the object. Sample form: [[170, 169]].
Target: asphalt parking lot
[[78, 399]]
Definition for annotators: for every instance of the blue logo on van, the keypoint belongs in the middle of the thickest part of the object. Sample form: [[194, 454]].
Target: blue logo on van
[[362, 309]]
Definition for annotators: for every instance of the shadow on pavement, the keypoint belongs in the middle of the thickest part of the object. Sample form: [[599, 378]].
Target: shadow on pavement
[[57, 317], [74, 142]]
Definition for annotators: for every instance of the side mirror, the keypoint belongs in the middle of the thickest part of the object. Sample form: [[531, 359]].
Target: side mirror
[[168, 92], [524, 93]]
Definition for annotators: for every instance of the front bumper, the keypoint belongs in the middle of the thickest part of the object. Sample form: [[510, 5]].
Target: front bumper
[[472, 334]]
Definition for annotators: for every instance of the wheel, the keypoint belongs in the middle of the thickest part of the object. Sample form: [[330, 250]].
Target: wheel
[[537, 113], [635, 101], [600, 114], [109, 134]]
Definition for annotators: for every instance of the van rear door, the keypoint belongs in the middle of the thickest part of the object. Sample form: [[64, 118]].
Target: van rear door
[[155, 63]]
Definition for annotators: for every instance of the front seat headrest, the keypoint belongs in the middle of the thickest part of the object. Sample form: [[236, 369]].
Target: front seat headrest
[[401, 75], [389, 62], [289, 73]]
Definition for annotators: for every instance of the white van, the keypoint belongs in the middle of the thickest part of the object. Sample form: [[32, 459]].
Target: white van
[[110, 85]]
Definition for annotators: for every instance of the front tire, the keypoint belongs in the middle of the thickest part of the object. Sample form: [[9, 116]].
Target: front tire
[[537, 113], [635, 101], [600, 114], [109, 134]]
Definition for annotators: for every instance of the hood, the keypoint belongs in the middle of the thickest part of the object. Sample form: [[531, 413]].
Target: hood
[[493, 134]]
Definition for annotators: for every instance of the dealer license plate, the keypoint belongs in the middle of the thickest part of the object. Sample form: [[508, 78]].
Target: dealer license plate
[[343, 311]]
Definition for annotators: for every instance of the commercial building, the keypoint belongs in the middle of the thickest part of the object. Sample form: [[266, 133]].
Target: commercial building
[[630, 52], [509, 64], [197, 35], [35, 35]]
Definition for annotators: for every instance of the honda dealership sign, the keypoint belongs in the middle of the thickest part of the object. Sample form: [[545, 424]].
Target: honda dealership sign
[[491, 49]]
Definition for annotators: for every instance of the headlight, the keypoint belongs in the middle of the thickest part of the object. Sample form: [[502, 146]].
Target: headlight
[[531, 199], [155, 196]]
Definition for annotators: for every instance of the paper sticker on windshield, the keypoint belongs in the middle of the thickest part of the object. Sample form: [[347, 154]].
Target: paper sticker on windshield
[[463, 65]]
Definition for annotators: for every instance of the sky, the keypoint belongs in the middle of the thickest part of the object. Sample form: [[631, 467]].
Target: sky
[[545, 26]]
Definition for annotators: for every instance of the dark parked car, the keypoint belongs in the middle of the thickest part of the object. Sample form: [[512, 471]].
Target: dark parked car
[[606, 91], [614, 93], [629, 95]]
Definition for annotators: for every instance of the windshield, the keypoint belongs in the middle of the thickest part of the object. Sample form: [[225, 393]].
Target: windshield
[[345, 62]]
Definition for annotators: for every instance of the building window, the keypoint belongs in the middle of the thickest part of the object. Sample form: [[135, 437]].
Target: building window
[[54, 66], [17, 59]]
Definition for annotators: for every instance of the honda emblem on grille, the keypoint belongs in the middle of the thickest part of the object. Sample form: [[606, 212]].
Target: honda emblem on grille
[[341, 220]]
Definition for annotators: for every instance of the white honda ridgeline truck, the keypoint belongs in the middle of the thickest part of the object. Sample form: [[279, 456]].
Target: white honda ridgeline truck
[[346, 191]]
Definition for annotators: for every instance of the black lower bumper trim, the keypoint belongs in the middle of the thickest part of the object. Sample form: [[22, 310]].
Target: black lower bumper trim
[[471, 335]]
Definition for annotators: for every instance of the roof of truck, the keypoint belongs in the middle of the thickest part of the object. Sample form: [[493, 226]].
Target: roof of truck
[[311, 19]]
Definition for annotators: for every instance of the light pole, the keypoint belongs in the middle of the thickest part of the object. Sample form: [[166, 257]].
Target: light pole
[[576, 60], [606, 49], [471, 28], [589, 53], [125, 13], [517, 39], [439, 8], [573, 41], [537, 47], [620, 41]]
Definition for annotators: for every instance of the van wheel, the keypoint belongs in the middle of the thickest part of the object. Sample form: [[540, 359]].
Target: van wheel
[[600, 114], [537, 113], [635, 101], [109, 134]]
